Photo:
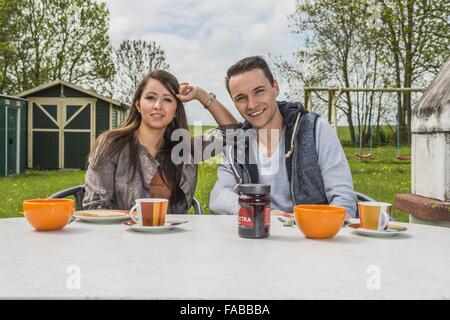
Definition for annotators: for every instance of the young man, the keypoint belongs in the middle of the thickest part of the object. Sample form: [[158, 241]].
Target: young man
[[294, 151]]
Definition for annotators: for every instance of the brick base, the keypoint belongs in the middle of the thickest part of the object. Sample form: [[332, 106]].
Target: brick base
[[422, 207]]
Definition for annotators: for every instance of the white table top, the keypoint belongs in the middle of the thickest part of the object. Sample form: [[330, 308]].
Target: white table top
[[206, 259]]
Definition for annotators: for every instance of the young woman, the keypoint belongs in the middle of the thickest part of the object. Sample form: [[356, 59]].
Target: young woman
[[135, 161]]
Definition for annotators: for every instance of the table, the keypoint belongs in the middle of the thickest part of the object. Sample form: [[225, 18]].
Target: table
[[206, 259]]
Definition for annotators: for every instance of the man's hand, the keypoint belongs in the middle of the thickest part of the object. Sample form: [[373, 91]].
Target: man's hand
[[280, 213], [287, 218]]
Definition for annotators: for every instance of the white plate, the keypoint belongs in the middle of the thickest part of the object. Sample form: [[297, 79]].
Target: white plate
[[105, 219], [167, 227]]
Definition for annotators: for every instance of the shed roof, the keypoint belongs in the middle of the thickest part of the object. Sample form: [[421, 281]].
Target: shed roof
[[432, 111], [12, 97], [70, 85]]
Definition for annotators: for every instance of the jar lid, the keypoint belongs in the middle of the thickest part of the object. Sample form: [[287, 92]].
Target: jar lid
[[253, 188]]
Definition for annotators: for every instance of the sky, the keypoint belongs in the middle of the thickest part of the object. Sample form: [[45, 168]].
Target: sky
[[202, 38]]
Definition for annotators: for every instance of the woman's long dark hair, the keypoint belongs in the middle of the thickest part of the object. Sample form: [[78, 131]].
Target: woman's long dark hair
[[111, 142]]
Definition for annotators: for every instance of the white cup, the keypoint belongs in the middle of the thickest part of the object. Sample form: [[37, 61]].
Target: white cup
[[151, 212]]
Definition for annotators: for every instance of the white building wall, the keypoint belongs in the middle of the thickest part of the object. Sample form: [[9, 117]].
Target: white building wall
[[431, 165]]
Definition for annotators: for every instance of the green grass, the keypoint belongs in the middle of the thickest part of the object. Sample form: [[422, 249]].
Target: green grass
[[387, 136], [381, 177], [34, 184]]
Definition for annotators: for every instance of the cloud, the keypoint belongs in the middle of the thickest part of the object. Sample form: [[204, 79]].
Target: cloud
[[203, 38]]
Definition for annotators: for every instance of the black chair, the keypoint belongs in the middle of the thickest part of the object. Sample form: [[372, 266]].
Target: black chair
[[78, 193], [363, 197]]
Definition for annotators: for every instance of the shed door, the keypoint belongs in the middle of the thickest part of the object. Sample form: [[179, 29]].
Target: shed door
[[77, 133], [11, 140], [44, 134], [61, 132]]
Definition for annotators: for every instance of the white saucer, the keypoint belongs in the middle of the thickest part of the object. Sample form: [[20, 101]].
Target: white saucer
[[170, 225], [392, 230]]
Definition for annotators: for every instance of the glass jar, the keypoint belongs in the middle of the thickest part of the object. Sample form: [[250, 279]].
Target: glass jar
[[254, 210]]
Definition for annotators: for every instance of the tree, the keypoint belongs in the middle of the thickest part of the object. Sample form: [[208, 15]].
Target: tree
[[133, 60], [59, 39], [8, 28], [335, 53], [343, 45], [416, 35]]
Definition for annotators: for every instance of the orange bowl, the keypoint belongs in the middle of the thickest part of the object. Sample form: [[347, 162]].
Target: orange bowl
[[319, 221], [48, 214]]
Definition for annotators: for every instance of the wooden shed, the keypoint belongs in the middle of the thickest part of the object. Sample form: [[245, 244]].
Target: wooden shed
[[12, 135], [63, 121]]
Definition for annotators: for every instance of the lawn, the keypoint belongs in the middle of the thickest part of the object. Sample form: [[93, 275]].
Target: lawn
[[382, 178]]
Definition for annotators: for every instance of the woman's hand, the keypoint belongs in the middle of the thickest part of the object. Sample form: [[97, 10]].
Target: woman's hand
[[187, 92], [190, 92]]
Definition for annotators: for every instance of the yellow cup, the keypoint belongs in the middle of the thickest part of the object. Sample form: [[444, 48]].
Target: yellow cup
[[374, 215]]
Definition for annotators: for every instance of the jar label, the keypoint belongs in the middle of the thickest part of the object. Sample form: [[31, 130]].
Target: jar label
[[267, 216], [246, 216]]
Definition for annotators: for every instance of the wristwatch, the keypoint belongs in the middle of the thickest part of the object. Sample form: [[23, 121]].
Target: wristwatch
[[212, 97]]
